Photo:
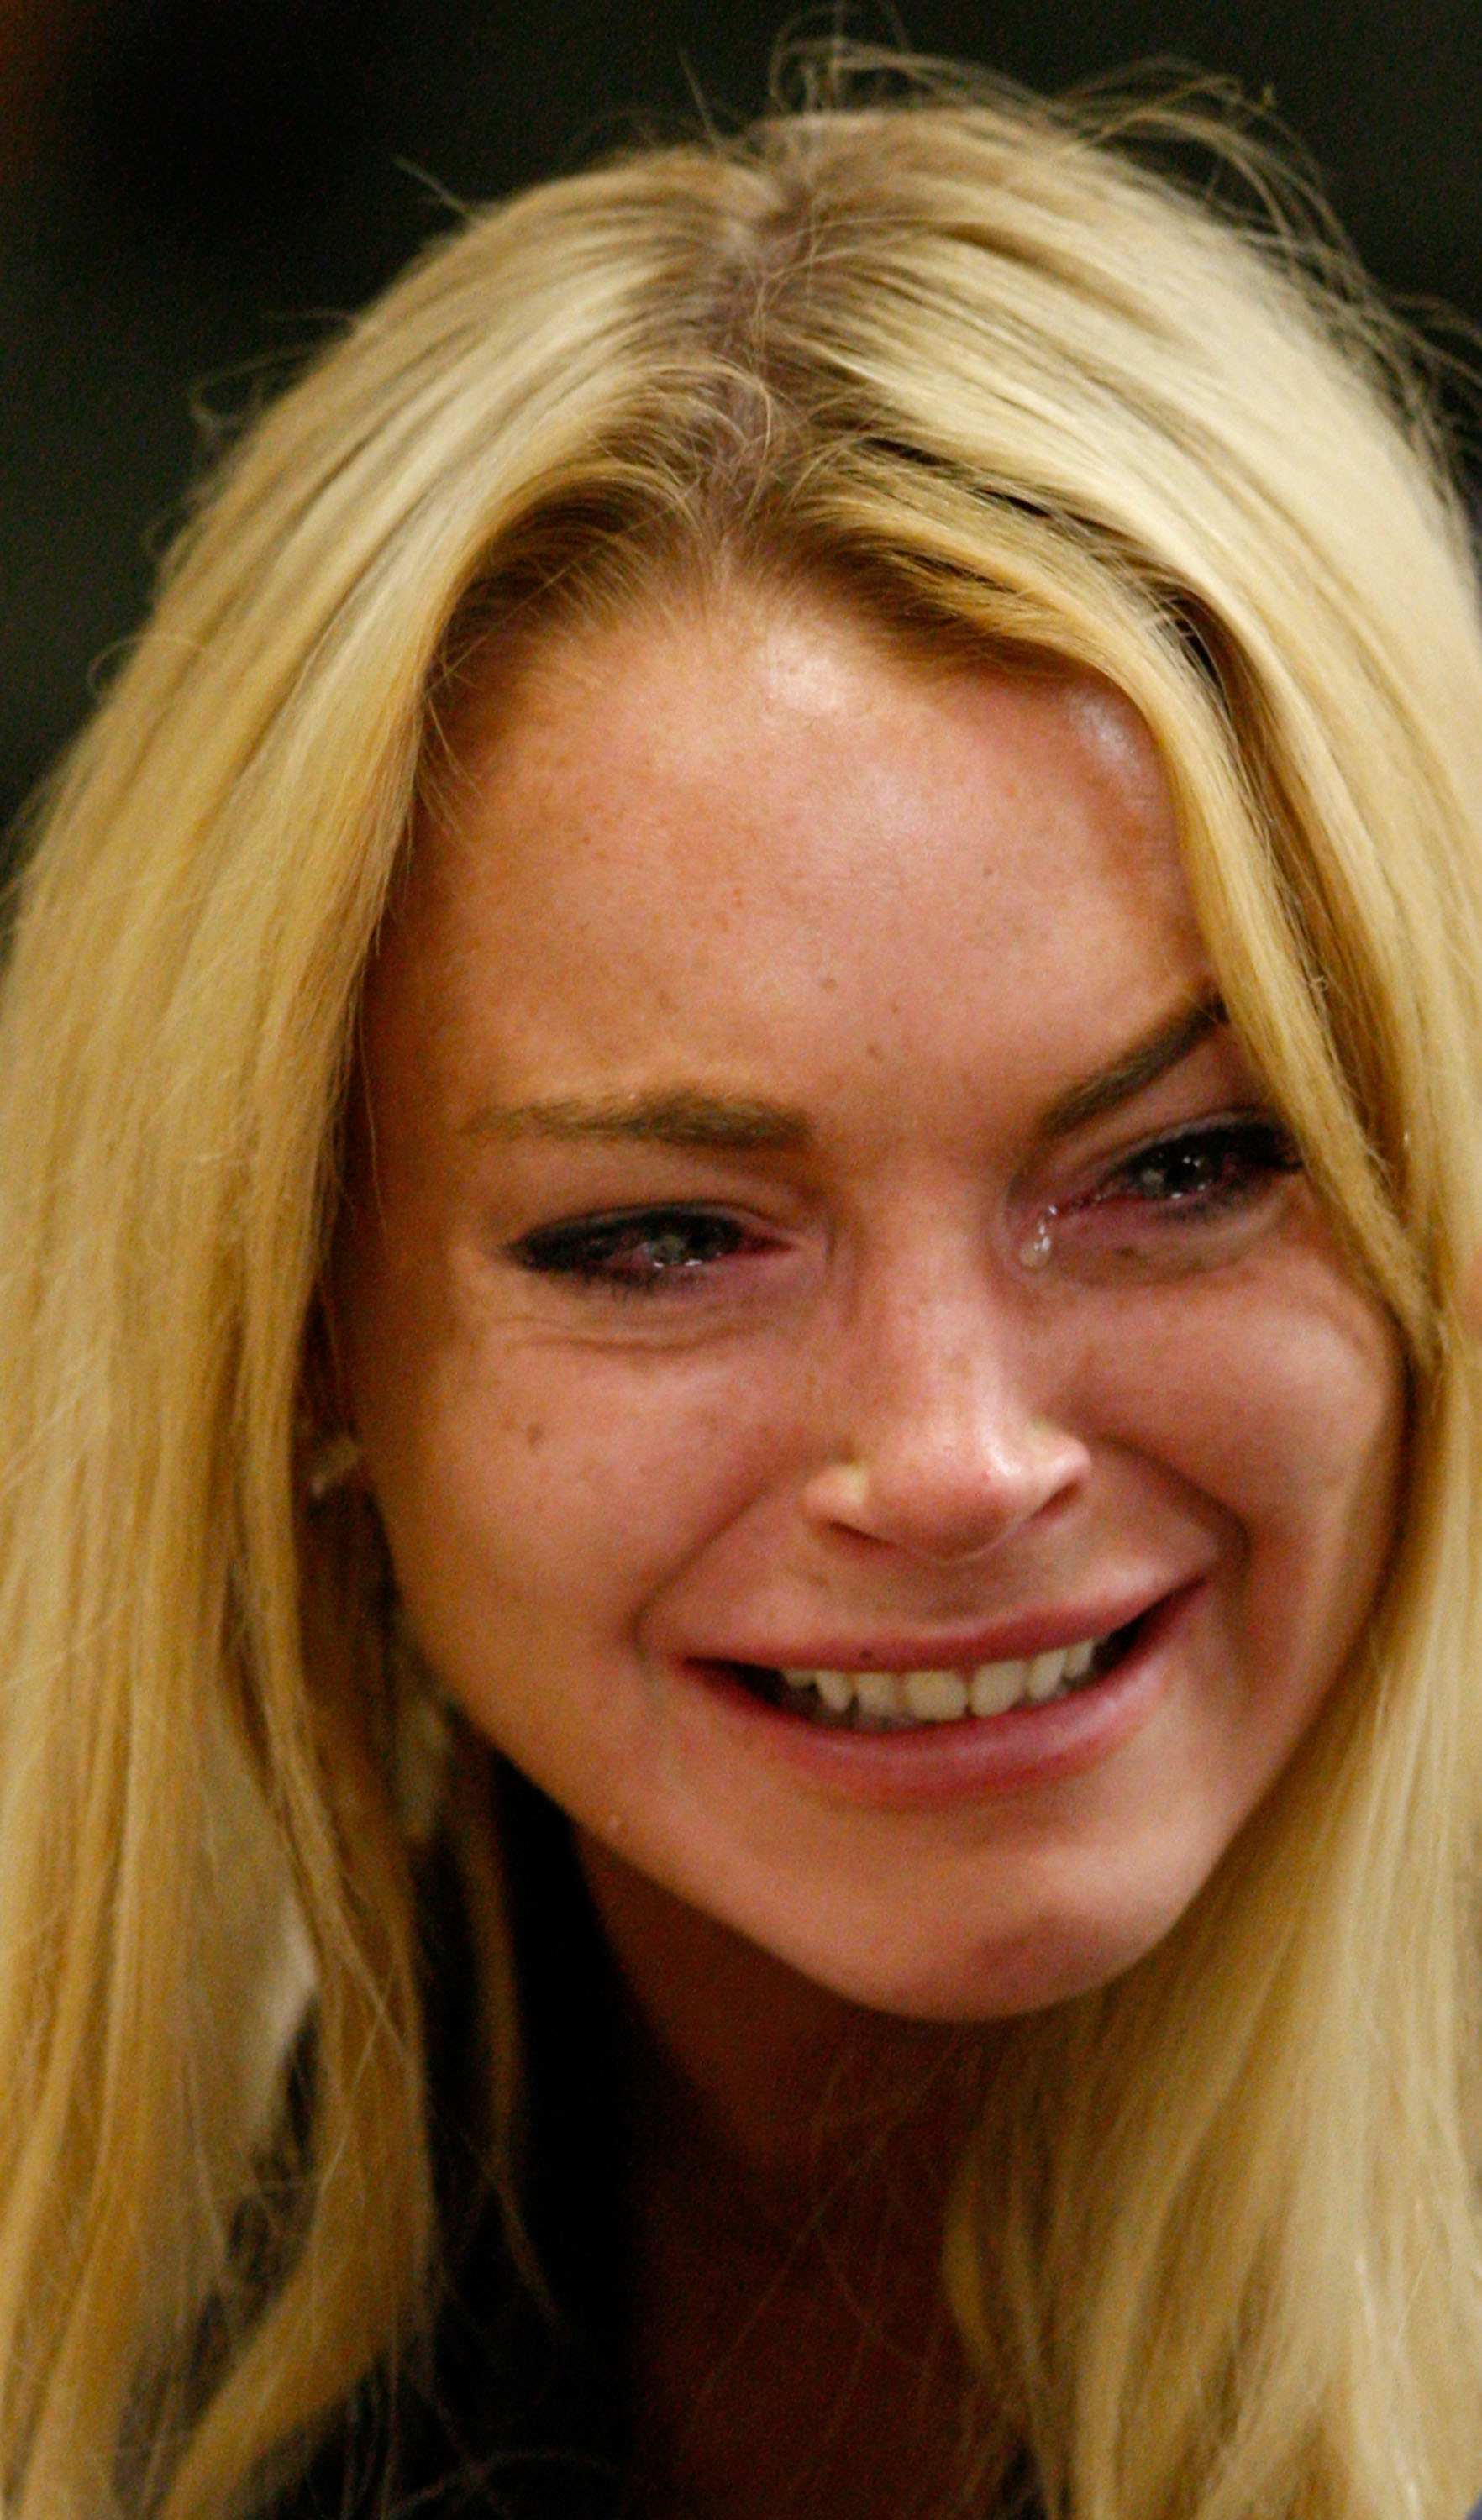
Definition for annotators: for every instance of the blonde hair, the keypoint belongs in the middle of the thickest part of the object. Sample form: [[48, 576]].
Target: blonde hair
[[1216, 2250]]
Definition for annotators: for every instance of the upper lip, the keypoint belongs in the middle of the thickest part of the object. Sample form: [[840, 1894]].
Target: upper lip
[[1019, 1639]]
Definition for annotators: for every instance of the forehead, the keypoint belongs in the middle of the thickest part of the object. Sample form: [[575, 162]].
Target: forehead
[[730, 813]]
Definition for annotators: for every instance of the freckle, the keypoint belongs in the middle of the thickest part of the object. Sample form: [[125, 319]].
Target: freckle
[[535, 1436]]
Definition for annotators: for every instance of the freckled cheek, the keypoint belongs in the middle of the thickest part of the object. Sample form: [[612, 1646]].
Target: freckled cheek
[[1288, 1421], [1317, 1434], [572, 1485]]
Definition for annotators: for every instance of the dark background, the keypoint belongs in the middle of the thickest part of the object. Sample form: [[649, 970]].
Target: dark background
[[191, 189]]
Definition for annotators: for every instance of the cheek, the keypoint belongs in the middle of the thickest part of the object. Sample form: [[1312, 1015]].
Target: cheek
[[1281, 1403], [537, 1494]]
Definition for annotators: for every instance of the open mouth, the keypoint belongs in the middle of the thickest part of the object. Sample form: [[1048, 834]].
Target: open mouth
[[907, 1701]]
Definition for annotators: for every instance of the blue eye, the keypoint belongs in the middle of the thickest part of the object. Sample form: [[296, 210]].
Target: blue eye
[[639, 1251]]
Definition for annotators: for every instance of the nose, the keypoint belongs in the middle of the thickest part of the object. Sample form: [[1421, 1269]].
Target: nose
[[939, 1450]]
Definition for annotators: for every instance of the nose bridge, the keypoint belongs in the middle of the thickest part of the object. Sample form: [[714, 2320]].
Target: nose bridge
[[937, 1440]]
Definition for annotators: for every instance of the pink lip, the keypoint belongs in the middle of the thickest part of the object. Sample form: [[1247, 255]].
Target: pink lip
[[984, 1755]]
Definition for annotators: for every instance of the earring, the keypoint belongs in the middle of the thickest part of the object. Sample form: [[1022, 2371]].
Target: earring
[[333, 1460]]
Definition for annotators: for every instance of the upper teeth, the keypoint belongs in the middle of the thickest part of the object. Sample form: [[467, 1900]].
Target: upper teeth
[[945, 1697]]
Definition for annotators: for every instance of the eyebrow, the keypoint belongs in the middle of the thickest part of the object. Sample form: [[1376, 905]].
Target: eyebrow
[[686, 1117], [1136, 1069], [683, 1117]]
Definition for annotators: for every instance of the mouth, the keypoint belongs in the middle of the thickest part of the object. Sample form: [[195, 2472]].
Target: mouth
[[871, 1701]]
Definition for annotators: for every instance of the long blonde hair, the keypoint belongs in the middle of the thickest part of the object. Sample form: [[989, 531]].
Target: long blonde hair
[[1216, 2250]]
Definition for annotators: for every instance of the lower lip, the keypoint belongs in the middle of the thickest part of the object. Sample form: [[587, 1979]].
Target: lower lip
[[983, 1755]]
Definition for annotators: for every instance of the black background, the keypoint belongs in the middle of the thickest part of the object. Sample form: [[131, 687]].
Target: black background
[[190, 190]]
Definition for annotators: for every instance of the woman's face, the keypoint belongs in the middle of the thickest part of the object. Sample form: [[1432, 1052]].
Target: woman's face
[[865, 1412]]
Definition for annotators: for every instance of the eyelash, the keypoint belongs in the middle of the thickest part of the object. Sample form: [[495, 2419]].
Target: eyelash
[[591, 1249], [1243, 1155], [606, 1253]]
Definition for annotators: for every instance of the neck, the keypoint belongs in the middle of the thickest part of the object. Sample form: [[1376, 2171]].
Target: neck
[[789, 2160], [782, 2075]]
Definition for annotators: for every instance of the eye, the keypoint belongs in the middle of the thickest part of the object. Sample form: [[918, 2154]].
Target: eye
[[637, 1251], [1189, 1199], [1203, 1170]]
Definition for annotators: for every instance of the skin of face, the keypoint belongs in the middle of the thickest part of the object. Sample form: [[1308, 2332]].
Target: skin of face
[[740, 851]]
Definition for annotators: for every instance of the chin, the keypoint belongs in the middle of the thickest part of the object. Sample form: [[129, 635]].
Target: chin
[[1049, 1961]]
